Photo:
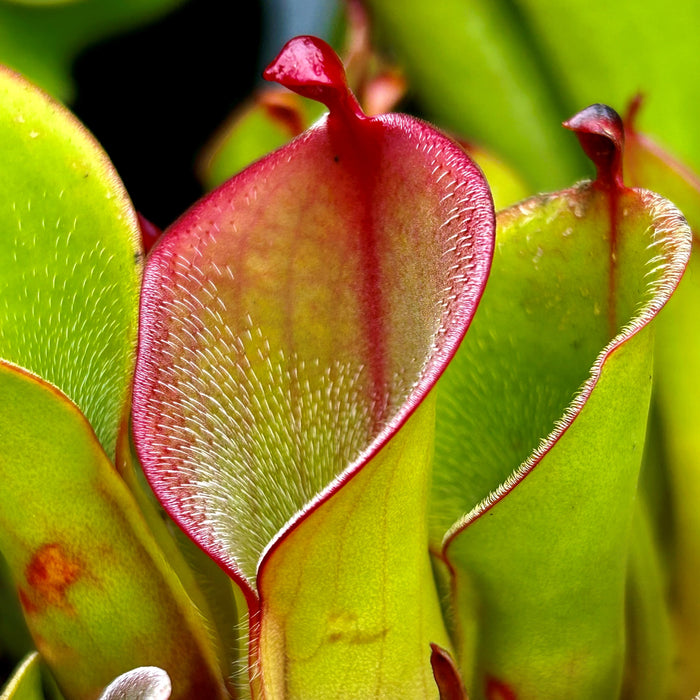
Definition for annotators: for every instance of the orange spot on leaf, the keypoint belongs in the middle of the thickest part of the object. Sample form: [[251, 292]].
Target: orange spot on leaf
[[49, 574]]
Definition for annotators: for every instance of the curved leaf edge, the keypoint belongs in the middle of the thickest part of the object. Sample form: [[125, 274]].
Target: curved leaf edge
[[109, 174], [666, 217], [90, 141], [437, 362], [28, 665], [463, 313], [343, 110], [297, 68], [158, 556], [33, 376]]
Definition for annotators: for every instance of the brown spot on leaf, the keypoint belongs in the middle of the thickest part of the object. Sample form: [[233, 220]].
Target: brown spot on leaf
[[49, 574], [498, 690]]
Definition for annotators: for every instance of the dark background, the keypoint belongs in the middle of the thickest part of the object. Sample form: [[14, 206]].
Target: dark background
[[154, 96]]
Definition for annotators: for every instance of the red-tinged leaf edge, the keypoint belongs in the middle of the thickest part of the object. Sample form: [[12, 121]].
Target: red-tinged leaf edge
[[446, 675], [309, 66], [594, 126], [302, 58]]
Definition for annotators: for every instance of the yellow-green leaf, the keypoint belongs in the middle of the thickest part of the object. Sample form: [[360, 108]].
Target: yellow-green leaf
[[540, 431], [97, 593], [70, 258], [348, 603]]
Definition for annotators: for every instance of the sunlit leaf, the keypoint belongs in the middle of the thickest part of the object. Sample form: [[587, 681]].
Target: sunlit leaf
[[69, 258], [292, 321], [471, 66], [540, 428], [97, 594], [347, 599]]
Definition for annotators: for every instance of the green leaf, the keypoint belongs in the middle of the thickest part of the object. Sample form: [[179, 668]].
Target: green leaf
[[25, 683], [650, 648], [583, 43], [678, 373], [70, 258], [507, 69], [97, 594], [676, 393], [352, 585], [483, 83], [540, 428], [507, 186], [648, 164], [145, 683], [292, 321]]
